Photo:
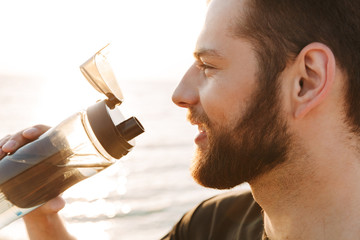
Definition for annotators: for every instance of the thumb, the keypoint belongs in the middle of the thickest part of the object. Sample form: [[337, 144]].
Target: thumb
[[50, 208], [53, 206]]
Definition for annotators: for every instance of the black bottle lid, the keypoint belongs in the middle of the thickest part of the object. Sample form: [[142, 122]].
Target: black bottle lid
[[130, 128], [113, 137]]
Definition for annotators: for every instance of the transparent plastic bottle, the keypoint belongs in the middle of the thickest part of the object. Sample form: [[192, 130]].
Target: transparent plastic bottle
[[79, 147]]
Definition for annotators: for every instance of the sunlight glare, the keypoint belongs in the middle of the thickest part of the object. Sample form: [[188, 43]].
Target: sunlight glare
[[49, 40]]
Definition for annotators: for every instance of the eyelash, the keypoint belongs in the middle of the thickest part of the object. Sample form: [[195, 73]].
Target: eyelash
[[203, 66]]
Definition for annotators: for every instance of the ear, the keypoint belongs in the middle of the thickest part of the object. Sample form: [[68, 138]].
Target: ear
[[314, 76]]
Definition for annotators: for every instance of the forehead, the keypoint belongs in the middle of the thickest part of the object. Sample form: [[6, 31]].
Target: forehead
[[223, 8], [221, 16]]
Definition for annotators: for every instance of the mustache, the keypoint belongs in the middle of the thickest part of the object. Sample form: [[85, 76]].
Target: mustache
[[196, 117]]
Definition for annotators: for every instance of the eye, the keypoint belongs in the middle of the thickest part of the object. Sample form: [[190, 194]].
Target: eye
[[203, 66]]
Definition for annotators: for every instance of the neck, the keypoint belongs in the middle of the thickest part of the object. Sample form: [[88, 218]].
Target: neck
[[318, 201]]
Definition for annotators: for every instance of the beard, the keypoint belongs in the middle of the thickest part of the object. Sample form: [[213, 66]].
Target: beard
[[258, 142]]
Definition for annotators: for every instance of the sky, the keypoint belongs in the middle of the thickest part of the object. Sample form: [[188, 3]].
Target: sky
[[45, 41], [45, 37]]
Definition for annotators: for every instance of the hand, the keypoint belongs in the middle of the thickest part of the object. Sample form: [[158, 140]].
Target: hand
[[44, 221], [11, 143]]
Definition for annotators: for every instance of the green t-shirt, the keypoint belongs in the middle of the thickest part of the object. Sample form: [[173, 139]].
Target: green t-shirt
[[230, 216]]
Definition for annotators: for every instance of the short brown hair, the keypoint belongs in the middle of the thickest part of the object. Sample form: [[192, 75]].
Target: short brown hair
[[280, 29]]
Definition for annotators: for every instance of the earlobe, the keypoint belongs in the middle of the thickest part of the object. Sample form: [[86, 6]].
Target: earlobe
[[315, 76]]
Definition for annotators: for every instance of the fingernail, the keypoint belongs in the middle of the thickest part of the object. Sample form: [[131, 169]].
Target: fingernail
[[9, 146], [31, 132]]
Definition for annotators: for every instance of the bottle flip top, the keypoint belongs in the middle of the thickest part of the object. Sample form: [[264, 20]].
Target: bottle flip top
[[113, 137], [79, 147]]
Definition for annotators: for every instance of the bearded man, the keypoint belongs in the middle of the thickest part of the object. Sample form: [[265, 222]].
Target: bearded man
[[274, 93]]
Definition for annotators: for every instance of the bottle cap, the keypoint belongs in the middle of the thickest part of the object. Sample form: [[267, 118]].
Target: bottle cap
[[113, 137], [97, 70]]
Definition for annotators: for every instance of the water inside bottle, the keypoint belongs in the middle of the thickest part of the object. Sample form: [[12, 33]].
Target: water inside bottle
[[51, 168]]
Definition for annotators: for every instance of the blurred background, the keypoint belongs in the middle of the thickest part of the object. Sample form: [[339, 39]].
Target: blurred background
[[42, 44]]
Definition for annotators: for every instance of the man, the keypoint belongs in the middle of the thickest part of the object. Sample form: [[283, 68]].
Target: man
[[274, 92]]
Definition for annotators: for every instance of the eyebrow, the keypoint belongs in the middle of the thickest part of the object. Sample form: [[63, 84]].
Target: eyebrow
[[207, 52]]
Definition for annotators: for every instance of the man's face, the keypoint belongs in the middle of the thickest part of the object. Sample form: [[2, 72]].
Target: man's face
[[241, 134]]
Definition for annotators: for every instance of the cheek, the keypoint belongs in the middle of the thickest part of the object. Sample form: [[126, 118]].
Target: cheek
[[223, 103]]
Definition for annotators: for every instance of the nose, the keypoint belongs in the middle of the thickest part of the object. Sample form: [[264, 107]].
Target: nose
[[186, 93]]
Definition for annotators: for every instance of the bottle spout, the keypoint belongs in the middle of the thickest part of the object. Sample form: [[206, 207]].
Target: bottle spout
[[130, 128]]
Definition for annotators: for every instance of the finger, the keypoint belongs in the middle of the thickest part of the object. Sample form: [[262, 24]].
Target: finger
[[2, 142], [50, 207], [14, 142], [18, 139], [34, 132], [54, 205], [11, 145]]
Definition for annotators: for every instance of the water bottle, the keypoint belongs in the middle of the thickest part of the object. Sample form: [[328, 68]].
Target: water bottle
[[77, 148]]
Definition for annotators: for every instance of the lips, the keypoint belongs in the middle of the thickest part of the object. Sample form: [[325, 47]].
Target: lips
[[201, 120], [201, 137]]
